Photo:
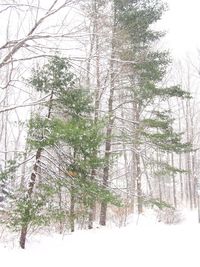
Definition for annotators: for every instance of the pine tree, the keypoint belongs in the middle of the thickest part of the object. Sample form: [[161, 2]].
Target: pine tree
[[144, 68], [51, 79], [66, 142]]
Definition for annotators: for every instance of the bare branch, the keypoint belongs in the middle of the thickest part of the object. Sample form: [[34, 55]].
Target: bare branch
[[30, 35], [34, 103]]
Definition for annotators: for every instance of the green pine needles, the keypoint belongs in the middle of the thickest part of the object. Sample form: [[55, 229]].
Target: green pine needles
[[68, 139]]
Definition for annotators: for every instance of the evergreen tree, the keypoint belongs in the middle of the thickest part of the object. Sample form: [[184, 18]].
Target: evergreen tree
[[144, 69], [66, 142]]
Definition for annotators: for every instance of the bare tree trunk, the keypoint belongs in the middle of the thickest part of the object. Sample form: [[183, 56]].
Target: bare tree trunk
[[92, 208], [188, 156], [160, 189], [28, 198], [23, 235], [194, 179], [103, 211], [139, 184], [147, 177], [72, 209], [91, 216], [22, 185], [60, 208], [96, 43], [159, 178], [136, 156], [174, 183], [189, 180], [198, 206], [107, 154], [31, 186], [181, 178], [127, 174], [107, 151], [180, 156]]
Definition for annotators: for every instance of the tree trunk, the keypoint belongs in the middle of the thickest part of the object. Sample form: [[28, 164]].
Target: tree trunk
[[139, 183], [96, 42], [23, 235], [31, 186], [103, 214], [32, 183], [92, 208], [136, 155], [91, 216], [103, 211], [174, 183], [198, 206], [180, 156], [72, 210]]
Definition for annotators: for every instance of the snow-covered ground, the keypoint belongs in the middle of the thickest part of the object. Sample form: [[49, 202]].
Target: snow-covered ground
[[142, 243]]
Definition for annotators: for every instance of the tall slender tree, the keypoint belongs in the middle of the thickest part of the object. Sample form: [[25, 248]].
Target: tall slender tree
[[144, 68]]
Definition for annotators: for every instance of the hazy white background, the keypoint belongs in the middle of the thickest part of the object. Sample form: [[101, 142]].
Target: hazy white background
[[182, 23]]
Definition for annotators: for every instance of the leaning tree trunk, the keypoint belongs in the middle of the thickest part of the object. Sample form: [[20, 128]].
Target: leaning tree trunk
[[29, 193], [31, 186]]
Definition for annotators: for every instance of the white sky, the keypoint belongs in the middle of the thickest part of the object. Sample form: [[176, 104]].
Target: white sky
[[182, 23]]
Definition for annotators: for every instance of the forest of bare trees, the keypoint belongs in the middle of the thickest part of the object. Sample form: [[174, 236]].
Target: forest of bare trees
[[97, 121]]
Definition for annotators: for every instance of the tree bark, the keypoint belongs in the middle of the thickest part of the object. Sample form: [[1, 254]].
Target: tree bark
[[95, 43], [23, 235], [136, 155], [72, 210], [174, 183], [31, 184], [109, 130]]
